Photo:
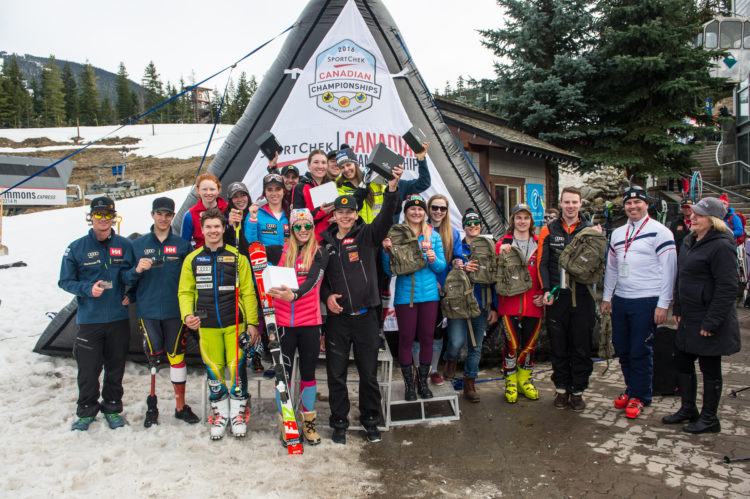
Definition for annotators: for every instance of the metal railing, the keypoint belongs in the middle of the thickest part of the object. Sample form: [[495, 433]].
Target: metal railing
[[720, 165]]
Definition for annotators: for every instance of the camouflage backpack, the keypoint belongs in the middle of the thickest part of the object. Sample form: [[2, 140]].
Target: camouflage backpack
[[482, 250], [457, 299], [513, 276], [406, 253]]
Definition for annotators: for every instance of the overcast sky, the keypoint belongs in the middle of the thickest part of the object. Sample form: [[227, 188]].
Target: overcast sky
[[204, 37]]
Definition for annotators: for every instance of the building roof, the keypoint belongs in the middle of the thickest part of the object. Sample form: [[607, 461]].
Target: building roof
[[494, 128]]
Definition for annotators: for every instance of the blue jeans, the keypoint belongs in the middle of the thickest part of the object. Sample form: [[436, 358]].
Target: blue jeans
[[458, 335], [632, 335]]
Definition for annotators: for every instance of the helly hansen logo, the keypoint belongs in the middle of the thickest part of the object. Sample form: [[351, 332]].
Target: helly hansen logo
[[115, 251], [170, 250]]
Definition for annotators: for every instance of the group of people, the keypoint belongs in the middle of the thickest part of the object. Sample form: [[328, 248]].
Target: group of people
[[343, 261]]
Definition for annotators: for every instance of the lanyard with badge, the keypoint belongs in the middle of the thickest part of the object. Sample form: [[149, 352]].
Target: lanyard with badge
[[624, 268]]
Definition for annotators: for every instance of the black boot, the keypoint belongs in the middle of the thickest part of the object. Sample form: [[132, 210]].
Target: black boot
[[409, 393], [708, 422], [688, 412], [422, 387]]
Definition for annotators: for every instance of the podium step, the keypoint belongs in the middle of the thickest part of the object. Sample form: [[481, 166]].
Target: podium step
[[442, 407]]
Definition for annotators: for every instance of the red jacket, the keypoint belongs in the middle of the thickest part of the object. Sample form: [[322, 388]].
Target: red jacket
[[521, 305], [304, 311], [195, 215]]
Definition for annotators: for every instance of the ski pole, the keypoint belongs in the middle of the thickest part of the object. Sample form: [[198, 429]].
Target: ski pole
[[734, 393], [728, 460], [237, 312]]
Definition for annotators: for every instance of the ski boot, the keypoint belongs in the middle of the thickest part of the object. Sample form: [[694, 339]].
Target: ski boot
[[219, 417], [511, 387], [152, 412], [308, 428], [525, 385], [239, 414]]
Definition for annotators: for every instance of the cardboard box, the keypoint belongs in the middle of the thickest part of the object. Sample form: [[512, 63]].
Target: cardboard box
[[382, 160], [275, 277], [326, 193]]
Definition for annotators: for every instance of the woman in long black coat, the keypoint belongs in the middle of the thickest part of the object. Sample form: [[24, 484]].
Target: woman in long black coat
[[706, 314]]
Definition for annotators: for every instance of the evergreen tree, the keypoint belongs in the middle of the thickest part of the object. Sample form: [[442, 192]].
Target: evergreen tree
[[106, 112], [70, 90], [125, 108], [137, 107], [215, 101], [53, 98], [185, 105], [242, 96], [35, 110], [649, 78], [18, 100], [88, 104], [541, 87], [153, 90], [170, 110]]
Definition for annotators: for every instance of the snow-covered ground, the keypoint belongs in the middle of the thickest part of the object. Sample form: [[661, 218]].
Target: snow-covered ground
[[161, 141], [41, 457]]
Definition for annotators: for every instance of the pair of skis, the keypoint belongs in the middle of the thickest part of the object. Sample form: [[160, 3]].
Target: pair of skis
[[259, 261]]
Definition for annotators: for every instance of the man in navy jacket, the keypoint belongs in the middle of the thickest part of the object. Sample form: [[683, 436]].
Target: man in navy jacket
[[157, 258], [93, 269]]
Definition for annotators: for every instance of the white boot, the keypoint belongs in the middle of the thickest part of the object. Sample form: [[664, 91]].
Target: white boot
[[219, 417], [239, 414]]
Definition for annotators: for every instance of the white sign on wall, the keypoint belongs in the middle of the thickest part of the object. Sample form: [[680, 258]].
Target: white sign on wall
[[36, 196]]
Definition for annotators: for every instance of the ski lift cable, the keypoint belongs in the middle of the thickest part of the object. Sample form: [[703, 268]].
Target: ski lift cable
[[158, 106]]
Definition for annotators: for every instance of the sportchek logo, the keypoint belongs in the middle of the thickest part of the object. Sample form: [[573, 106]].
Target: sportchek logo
[[170, 250], [115, 251], [344, 80]]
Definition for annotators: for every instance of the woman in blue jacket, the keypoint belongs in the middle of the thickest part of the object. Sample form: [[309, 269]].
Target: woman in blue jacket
[[269, 223], [417, 298]]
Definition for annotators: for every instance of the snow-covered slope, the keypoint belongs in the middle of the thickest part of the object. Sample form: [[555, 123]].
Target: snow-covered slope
[[41, 457]]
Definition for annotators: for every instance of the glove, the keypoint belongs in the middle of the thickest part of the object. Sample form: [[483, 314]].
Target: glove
[[244, 341]]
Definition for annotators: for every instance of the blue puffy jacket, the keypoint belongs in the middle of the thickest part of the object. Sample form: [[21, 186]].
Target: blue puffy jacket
[[86, 261], [267, 229], [448, 264], [734, 222], [425, 280], [156, 289]]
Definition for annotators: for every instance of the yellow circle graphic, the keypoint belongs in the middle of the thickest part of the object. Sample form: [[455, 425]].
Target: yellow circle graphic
[[327, 97], [360, 97], [344, 101]]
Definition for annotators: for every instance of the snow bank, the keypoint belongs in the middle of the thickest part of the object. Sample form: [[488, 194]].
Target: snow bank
[[161, 141], [40, 456]]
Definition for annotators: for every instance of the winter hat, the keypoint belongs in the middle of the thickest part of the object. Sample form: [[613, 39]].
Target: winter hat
[[345, 202], [470, 215], [346, 155], [415, 200], [300, 214], [635, 192], [289, 169], [102, 203], [332, 154], [710, 207], [162, 204], [236, 187], [724, 199]]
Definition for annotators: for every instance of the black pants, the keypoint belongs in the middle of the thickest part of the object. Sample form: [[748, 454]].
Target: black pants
[[570, 329], [306, 340], [710, 366], [100, 346], [341, 332]]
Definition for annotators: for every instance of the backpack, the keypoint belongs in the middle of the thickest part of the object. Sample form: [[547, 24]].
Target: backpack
[[457, 300], [584, 258], [482, 249], [513, 276], [406, 253], [741, 240]]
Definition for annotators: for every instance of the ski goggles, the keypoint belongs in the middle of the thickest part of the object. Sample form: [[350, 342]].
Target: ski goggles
[[299, 227], [105, 215]]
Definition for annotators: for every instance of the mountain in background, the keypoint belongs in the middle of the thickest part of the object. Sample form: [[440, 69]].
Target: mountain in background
[[31, 66]]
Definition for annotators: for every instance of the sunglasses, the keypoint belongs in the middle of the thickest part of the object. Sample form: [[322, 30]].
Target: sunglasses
[[439, 208], [472, 223], [105, 216], [298, 228], [549, 217]]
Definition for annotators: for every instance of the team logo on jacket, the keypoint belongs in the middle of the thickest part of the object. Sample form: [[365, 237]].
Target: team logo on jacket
[[149, 251], [344, 80], [203, 259], [170, 250], [348, 240], [115, 251], [91, 254], [226, 259]]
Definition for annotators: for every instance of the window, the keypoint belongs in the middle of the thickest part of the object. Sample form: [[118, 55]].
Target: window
[[712, 35], [731, 34], [746, 40], [743, 109], [507, 197]]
